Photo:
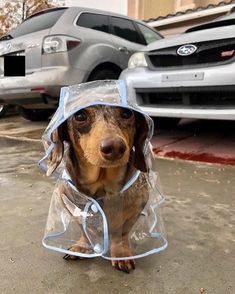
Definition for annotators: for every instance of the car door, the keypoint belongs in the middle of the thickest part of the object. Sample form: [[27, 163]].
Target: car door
[[126, 38], [96, 45]]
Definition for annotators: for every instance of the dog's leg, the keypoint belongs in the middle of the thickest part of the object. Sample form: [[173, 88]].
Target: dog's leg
[[120, 248], [82, 246]]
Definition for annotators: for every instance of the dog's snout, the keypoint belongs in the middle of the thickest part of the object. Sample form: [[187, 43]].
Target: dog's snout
[[112, 148]]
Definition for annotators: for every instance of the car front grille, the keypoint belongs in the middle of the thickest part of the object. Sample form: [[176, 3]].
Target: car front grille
[[207, 53], [209, 97]]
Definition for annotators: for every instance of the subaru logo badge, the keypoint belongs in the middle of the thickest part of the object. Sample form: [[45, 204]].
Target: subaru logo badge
[[186, 50]]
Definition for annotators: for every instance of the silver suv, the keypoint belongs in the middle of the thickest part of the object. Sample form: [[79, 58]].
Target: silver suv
[[188, 76], [64, 46]]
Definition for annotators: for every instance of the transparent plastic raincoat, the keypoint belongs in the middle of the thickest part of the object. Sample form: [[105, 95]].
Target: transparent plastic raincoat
[[73, 214]]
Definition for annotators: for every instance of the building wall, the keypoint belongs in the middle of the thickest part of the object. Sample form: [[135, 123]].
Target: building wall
[[181, 5], [207, 2], [146, 9], [118, 6], [135, 9], [153, 8]]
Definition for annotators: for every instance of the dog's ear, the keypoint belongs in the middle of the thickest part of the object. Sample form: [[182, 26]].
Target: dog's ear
[[56, 155], [139, 141]]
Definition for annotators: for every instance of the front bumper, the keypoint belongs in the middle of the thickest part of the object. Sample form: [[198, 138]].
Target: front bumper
[[189, 93]]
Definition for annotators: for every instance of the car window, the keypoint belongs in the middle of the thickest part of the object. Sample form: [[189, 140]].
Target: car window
[[94, 21], [125, 29], [149, 35], [37, 23]]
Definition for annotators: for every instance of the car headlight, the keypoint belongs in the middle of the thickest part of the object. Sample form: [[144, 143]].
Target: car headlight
[[137, 60]]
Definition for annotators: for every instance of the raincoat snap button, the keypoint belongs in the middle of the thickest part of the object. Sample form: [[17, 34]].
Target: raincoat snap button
[[98, 248], [94, 208]]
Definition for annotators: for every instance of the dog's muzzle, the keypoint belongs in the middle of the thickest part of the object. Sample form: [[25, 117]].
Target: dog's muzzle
[[112, 148]]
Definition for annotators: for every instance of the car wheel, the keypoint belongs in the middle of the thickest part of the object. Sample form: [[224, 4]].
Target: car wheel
[[165, 122], [104, 74], [35, 114], [3, 110]]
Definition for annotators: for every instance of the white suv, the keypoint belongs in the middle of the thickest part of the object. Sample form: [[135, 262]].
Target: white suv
[[187, 76]]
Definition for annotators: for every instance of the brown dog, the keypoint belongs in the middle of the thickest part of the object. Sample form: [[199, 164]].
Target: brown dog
[[100, 159]]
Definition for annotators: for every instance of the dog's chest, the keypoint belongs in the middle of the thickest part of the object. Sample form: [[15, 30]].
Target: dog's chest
[[109, 182], [122, 207]]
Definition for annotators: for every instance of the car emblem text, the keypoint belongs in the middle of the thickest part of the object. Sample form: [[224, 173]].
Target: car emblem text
[[8, 46], [186, 50]]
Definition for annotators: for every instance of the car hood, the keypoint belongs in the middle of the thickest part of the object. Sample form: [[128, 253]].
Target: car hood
[[217, 33]]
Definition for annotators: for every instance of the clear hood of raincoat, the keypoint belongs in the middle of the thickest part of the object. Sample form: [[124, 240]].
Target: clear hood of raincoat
[[73, 214]]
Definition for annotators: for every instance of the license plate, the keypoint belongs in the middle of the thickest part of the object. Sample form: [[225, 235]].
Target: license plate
[[14, 66], [183, 77]]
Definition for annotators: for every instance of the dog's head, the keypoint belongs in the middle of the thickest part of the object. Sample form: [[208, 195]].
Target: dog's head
[[104, 136]]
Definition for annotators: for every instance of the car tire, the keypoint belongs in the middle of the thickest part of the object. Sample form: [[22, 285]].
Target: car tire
[[104, 74], [35, 114], [165, 122], [3, 110]]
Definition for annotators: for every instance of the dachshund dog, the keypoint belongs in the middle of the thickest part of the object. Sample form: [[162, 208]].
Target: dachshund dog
[[105, 147]]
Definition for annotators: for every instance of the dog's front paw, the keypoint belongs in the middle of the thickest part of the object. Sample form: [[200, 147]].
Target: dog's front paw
[[81, 246], [123, 265]]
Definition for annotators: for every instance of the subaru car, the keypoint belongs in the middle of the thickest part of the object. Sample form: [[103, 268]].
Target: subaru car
[[187, 76], [65, 46]]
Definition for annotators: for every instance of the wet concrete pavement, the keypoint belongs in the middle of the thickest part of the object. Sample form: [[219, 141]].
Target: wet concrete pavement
[[198, 140], [194, 140], [199, 217], [14, 126]]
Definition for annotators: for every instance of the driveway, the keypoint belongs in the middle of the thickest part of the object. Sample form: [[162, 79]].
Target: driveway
[[194, 140], [199, 217]]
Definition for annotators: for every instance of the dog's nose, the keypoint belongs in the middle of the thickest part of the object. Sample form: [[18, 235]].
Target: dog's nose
[[112, 148]]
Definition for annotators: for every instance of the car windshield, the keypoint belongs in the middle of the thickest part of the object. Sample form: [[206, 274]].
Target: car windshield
[[36, 23], [149, 34], [228, 19]]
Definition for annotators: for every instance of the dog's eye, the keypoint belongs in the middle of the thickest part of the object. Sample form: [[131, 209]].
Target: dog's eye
[[81, 116], [126, 113]]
